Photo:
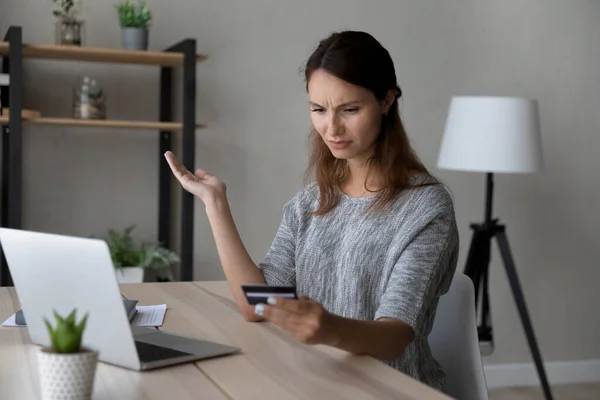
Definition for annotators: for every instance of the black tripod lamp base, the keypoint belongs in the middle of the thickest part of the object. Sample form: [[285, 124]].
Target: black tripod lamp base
[[477, 268]]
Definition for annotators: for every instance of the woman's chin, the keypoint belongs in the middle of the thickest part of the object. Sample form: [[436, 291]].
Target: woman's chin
[[350, 155], [342, 154]]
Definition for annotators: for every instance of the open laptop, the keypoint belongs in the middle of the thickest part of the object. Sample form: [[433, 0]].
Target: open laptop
[[56, 272]]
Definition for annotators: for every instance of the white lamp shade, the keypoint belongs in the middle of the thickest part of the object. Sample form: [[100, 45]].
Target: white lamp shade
[[492, 134]]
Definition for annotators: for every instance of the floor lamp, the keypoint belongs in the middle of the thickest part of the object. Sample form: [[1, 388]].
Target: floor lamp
[[494, 135]]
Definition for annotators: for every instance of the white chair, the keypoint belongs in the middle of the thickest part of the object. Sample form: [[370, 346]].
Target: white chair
[[454, 343]]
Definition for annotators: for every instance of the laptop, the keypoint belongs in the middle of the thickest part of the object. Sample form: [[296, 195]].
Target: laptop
[[58, 272]]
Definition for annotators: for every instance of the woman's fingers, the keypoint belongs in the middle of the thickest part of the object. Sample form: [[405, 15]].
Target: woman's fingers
[[203, 175], [299, 325], [181, 173], [176, 167], [289, 305], [278, 316], [200, 183]]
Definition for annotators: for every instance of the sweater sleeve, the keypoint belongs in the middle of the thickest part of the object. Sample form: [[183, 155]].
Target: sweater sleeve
[[422, 273], [278, 266]]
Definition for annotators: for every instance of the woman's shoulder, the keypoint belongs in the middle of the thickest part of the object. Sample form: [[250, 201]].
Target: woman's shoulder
[[304, 198], [426, 197], [428, 194]]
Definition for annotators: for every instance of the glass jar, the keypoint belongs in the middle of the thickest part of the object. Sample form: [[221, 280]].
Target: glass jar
[[89, 100], [69, 31]]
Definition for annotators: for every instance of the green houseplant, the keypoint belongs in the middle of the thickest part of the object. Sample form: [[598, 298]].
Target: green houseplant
[[131, 260], [66, 368], [135, 24]]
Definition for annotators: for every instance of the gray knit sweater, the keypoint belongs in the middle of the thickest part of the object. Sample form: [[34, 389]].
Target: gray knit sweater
[[393, 264]]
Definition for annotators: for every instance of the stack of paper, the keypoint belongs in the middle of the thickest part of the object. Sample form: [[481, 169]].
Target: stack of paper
[[150, 315], [146, 316]]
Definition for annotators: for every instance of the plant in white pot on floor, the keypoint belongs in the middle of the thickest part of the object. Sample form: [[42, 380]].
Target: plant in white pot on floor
[[131, 262], [67, 370], [135, 24]]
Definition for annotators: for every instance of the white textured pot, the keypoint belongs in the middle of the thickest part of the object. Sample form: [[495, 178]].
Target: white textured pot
[[67, 376], [130, 274]]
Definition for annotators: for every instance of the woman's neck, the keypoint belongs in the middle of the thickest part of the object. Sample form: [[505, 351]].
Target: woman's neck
[[358, 183]]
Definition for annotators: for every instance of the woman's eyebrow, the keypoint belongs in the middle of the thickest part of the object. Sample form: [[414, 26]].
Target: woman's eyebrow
[[348, 103]]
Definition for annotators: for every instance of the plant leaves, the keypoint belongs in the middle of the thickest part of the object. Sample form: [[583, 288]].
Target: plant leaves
[[50, 329], [122, 248], [131, 16], [82, 324], [58, 318], [124, 253], [71, 318], [66, 335]]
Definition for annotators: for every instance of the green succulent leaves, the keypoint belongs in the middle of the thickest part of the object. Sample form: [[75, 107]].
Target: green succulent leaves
[[66, 334]]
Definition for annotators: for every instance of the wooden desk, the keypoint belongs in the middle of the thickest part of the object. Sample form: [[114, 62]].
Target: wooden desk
[[272, 365]]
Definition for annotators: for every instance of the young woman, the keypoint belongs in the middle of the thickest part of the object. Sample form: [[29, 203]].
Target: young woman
[[371, 243]]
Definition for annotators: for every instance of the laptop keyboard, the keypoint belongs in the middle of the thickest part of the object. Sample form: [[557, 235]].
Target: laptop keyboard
[[150, 352]]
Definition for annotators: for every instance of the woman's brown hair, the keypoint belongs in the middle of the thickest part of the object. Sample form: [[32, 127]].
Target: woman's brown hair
[[358, 58]]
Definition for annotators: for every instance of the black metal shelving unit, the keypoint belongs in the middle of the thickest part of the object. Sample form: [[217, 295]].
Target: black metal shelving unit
[[181, 55]]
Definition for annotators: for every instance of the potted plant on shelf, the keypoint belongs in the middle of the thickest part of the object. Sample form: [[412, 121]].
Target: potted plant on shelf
[[135, 24], [67, 370], [131, 261], [69, 29]]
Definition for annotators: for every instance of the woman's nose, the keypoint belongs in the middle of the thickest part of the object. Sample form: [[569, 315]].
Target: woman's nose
[[334, 126]]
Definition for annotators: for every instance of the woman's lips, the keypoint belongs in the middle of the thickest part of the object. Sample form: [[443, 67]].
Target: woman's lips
[[339, 144]]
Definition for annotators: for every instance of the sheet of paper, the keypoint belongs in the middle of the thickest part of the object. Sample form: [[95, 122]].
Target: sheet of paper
[[150, 315], [146, 316], [10, 321]]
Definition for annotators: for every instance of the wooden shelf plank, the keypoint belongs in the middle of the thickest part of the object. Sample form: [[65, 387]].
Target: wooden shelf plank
[[98, 54], [103, 123]]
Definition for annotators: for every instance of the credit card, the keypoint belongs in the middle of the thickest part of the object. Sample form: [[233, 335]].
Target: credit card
[[256, 294]]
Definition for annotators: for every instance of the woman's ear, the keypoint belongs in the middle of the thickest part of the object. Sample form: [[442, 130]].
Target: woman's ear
[[388, 101]]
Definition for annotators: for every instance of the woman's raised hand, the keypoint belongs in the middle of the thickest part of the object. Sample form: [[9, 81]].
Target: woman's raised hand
[[201, 184]]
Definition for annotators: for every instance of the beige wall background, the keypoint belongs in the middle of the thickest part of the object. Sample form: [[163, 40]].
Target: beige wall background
[[251, 96]]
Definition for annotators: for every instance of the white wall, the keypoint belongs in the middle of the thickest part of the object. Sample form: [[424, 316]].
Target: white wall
[[252, 98]]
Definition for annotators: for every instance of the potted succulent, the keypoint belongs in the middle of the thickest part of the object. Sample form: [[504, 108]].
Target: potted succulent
[[135, 24], [132, 261], [69, 29], [67, 370]]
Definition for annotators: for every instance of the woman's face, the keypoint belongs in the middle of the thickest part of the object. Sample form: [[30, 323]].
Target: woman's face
[[347, 117]]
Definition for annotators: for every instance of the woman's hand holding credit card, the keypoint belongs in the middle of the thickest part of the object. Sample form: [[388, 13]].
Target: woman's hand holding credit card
[[305, 319]]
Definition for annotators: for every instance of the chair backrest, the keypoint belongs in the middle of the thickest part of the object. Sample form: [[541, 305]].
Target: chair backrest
[[454, 342]]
